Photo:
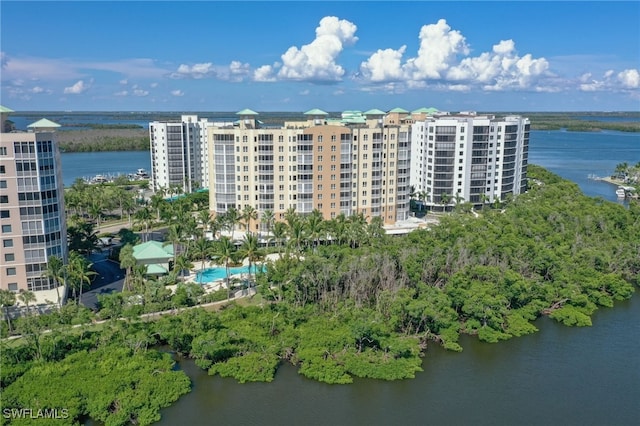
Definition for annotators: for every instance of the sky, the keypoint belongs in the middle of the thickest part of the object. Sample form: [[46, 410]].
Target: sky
[[299, 55]]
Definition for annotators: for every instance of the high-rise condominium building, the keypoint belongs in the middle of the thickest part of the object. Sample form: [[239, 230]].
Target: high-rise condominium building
[[358, 163], [32, 220], [179, 154], [470, 158]]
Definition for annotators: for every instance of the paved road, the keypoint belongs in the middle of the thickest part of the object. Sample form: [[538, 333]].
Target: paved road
[[110, 279]]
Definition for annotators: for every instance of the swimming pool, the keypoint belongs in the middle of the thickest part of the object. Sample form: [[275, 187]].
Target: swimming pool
[[213, 274]]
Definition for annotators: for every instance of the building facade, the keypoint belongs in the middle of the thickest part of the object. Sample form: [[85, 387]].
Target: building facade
[[359, 163], [350, 165], [469, 158], [32, 219], [179, 154]]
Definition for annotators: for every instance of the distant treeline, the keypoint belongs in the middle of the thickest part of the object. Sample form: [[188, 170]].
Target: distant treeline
[[583, 126], [104, 126], [99, 140], [132, 137]]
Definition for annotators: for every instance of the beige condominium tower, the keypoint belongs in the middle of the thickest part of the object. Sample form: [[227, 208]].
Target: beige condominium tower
[[355, 163], [32, 217]]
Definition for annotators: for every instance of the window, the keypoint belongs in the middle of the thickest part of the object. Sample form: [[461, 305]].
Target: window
[[4, 214], [6, 229], [11, 271], [3, 183], [9, 257], [13, 286], [3, 150]]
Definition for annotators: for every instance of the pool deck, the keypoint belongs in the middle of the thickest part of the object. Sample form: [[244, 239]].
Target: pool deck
[[220, 283]]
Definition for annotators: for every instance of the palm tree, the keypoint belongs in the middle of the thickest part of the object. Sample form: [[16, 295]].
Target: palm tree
[[144, 218], [315, 226], [248, 214], [279, 233], [224, 253], [158, 202], [337, 228], [232, 216], [56, 272], [174, 237], [412, 192], [79, 273], [444, 200], [128, 262], [204, 217], [267, 220], [355, 230], [290, 216], [250, 250], [297, 235], [7, 299], [375, 228], [201, 249], [182, 263], [26, 297], [82, 236]]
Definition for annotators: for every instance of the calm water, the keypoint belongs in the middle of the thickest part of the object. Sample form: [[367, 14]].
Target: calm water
[[576, 155], [213, 274], [85, 165], [558, 376]]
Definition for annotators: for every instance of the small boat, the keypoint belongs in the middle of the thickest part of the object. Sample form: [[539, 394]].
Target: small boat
[[99, 179], [621, 193], [142, 174]]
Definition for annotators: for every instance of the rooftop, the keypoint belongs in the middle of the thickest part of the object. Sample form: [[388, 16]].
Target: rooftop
[[153, 250], [43, 123]]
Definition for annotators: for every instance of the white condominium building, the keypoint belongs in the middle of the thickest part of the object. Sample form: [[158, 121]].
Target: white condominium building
[[179, 154], [32, 219], [466, 157]]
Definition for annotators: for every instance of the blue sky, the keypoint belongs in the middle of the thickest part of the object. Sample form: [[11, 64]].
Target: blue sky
[[294, 56]]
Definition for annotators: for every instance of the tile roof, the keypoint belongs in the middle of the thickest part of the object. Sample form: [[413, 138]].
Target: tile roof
[[153, 250], [43, 124]]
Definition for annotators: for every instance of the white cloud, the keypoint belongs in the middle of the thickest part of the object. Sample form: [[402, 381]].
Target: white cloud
[[78, 88], [67, 68], [304, 92], [140, 92], [121, 93], [236, 71], [626, 80], [177, 93], [39, 90], [443, 61], [264, 73], [384, 65], [153, 85], [439, 47], [196, 71], [630, 78], [316, 61], [124, 82]]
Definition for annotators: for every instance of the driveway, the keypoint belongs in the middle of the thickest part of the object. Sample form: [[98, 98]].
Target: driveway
[[110, 279]]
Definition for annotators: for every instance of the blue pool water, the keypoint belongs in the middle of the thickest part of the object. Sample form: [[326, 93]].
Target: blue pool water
[[213, 274]]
